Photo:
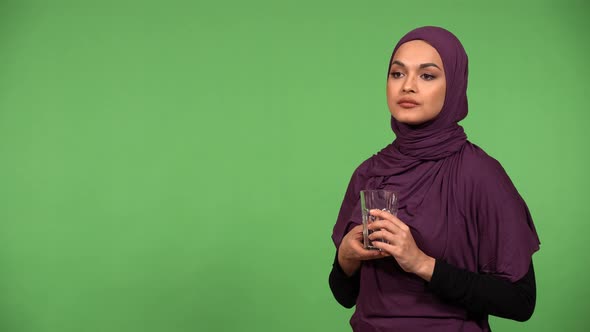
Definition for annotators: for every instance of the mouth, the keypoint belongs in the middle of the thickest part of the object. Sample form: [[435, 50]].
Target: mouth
[[407, 103]]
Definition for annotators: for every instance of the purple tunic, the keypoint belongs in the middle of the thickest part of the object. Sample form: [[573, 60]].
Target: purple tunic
[[459, 203]]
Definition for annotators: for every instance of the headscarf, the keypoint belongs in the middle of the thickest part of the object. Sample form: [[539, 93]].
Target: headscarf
[[441, 136], [459, 202]]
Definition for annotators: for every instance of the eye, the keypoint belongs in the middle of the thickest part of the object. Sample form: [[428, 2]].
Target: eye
[[395, 74], [428, 77]]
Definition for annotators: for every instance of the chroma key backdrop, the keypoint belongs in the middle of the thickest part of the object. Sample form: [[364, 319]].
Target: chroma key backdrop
[[179, 165]]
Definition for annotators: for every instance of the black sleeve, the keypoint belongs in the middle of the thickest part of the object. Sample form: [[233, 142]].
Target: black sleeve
[[344, 288], [483, 294], [480, 294]]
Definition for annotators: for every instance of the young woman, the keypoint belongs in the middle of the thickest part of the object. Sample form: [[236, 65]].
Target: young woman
[[461, 245]]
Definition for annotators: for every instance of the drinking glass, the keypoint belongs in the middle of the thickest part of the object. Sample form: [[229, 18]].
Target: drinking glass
[[384, 200]]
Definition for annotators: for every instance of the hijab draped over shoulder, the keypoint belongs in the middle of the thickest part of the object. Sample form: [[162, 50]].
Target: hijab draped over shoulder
[[459, 202]]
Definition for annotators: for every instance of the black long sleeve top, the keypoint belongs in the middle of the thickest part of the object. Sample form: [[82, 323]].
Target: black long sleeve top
[[479, 294]]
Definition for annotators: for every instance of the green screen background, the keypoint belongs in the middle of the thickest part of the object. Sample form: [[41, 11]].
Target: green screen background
[[178, 166]]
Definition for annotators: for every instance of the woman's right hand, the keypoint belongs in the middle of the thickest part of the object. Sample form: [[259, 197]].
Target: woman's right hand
[[351, 251]]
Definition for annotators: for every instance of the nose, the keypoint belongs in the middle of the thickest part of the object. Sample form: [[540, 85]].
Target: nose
[[409, 84]]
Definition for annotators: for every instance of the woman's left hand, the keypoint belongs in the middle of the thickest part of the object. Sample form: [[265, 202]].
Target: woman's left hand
[[401, 244]]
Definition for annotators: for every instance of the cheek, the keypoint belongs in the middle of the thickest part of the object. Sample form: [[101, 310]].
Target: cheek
[[389, 89], [438, 99], [391, 96], [441, 95]]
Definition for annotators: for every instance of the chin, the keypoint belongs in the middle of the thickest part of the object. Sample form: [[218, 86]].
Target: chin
[[412, 117], [410, 120], [412, 123]]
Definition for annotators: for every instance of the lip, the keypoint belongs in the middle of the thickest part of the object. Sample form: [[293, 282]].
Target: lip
[[407, 103]]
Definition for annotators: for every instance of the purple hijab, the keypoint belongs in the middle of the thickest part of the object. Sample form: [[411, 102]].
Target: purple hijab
[[458, 201]]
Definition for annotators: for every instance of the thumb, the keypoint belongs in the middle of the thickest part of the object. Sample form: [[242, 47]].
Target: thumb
[[357, 228]]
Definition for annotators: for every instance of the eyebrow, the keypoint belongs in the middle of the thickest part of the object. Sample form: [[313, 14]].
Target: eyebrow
[[424, 65]]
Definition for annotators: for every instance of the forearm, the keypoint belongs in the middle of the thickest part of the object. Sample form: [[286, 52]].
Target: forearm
[[483, 294], [345, 288]]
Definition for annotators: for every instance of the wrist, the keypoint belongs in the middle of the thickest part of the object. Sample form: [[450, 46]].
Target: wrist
[[348, 266], [426, 268]]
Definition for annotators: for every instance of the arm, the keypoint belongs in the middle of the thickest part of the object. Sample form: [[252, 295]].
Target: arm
[[483, 294], [345, 275], [344, 288], [479, 293]]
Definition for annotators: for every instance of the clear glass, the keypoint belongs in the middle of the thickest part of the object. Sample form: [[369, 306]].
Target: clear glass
[[384, 200]]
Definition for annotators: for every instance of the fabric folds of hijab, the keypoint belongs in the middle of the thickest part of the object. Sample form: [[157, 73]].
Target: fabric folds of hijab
[[443, 135], [416, 144], [458, 201]]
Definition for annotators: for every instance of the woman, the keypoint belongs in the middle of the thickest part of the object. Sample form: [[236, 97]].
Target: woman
[[461, 245]]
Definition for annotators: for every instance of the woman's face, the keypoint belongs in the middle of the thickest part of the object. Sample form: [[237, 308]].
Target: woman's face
[[416, 85]]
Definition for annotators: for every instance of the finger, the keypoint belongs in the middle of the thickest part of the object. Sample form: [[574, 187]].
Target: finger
[[386, 215], [381, 214], [357, 237], [357, 229], [361, 252], [391, 218], [358, 246], [378, 255], [355, 232], [359, 233], [364, 254], [391, 250], [383, 235], [371, 254], [384, 224]]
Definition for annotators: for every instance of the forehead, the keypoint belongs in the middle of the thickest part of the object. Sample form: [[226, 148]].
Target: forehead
[[416, 52]]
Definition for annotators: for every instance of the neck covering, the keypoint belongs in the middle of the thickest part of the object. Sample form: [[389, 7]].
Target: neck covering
[[459, 203], [442, 136]]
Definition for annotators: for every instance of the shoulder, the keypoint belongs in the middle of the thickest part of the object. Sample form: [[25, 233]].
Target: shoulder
[[477, 165], [367, 167], [483, 174], [360, 175], [363, 168]]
